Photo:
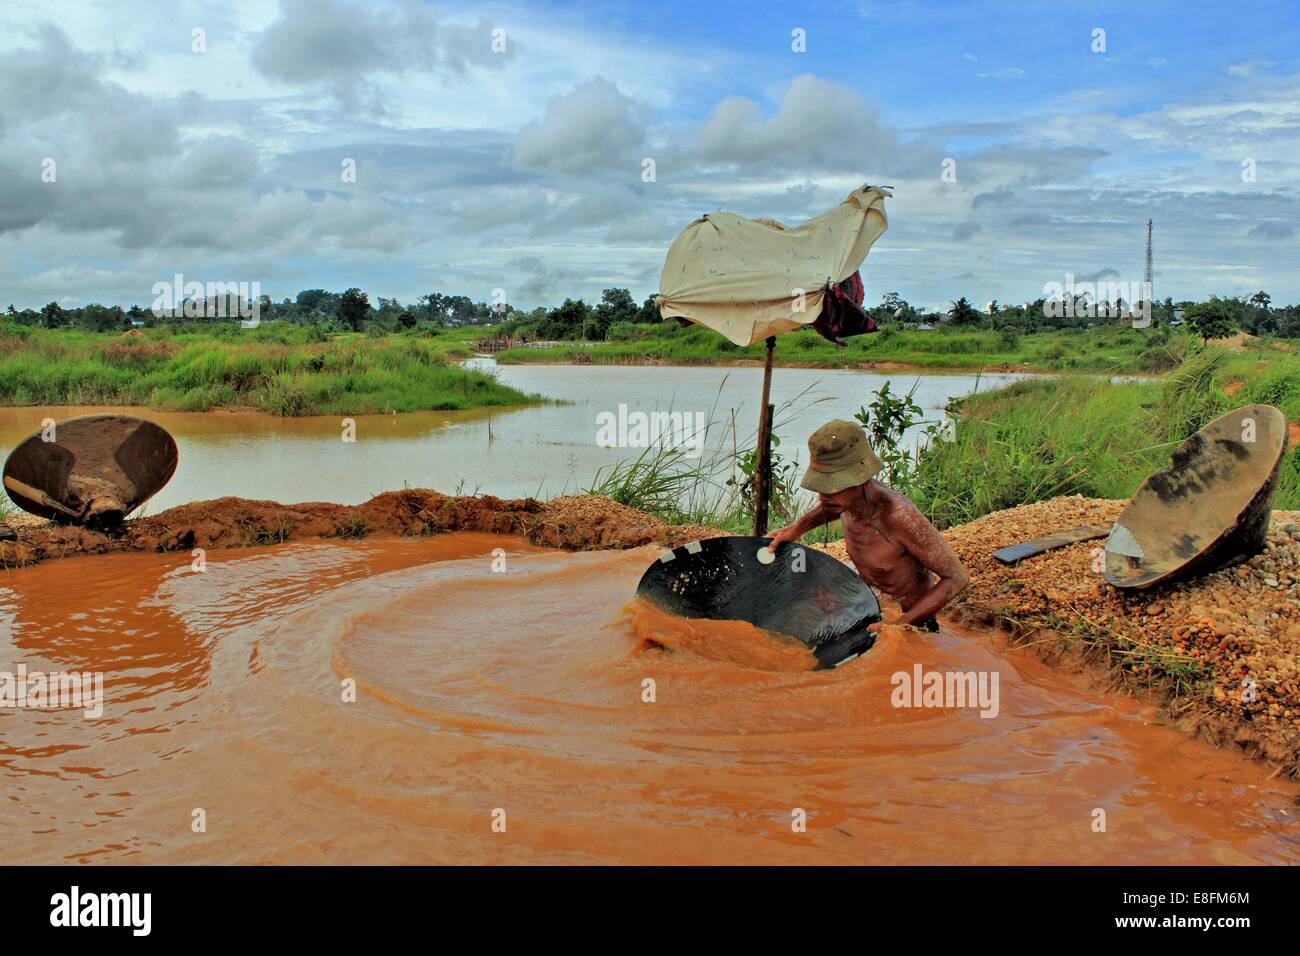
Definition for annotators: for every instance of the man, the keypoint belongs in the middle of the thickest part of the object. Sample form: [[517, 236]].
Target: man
[[890, 542]]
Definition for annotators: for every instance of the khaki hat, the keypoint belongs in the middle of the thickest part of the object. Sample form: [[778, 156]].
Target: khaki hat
[[839, 458]]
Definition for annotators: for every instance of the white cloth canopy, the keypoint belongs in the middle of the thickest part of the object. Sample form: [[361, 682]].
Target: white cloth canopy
[[751, 278]]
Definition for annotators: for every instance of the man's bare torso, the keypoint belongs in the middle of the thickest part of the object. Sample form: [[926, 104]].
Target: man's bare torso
[[870, 537]]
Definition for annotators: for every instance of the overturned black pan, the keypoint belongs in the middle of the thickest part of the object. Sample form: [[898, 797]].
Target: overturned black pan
[[1209, 509], [92, 471]]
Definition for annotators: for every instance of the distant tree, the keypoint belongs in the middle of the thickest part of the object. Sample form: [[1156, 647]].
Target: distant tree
[[309, 300], [459, 309], [1288, 321], [616, 305], [893, 307], [1210, 320], [568, 321], [354, 309], [406, 319], [1261, 321], [963, 313], [649, 311], [53, 316], [435, 309]]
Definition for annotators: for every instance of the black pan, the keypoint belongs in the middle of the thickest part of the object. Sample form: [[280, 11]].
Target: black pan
[[803, 593]]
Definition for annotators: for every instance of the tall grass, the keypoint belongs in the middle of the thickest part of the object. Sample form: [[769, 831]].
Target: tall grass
[[274, 369], [709, 489], [1037, 439]]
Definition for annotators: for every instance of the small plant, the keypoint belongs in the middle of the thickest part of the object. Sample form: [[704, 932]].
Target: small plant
[[354, 526], [887, 420], [783, 490], [261, 535]]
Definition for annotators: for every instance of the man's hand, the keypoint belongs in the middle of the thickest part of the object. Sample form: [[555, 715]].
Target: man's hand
[[789, 533], [887, 619]]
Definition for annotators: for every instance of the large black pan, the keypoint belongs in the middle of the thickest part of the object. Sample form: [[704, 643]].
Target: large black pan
[[802, 593]]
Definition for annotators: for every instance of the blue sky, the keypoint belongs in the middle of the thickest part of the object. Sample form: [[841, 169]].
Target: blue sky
[[521, 168]]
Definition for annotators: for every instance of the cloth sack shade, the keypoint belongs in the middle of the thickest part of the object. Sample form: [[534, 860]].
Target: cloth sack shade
[[839, 457], [749, 279]]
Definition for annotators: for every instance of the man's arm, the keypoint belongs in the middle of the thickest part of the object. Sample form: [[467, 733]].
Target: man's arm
[[814, 518], [913, 531]]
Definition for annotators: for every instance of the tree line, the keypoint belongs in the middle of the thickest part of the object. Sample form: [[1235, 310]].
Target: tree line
[[577, 320]]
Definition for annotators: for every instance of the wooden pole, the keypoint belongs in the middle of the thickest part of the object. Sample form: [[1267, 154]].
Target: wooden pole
[[763, 462]]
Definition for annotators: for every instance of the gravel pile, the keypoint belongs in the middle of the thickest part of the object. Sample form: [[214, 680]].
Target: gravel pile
[[1223, 650]]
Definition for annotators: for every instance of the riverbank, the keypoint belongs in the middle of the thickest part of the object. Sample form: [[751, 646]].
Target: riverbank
[[881, 368], [1194, 647], [282, 370], [1102, 350], [1221, 652]]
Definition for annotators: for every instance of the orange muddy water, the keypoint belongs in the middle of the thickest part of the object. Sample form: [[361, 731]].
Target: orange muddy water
[[518, 694]]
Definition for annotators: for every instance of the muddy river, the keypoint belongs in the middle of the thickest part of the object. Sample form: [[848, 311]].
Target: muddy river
[[541, 450], [472, 699]]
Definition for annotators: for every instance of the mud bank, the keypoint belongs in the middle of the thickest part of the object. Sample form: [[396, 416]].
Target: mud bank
[[575, 523]]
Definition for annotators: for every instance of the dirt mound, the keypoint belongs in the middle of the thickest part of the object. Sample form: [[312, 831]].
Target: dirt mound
[[573, 523]]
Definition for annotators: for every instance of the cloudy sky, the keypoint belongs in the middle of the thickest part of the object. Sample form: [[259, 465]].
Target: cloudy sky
[[505, 145]]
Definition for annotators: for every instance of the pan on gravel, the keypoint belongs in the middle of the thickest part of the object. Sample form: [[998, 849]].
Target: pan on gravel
[[799, 591], [1210, 508]]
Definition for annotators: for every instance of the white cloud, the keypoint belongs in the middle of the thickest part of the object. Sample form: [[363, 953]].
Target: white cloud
[[591, 127], [819, 125], [1248, 68]]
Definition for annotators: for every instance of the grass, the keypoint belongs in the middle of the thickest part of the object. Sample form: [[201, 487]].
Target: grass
[[354, 526], [1037, 439], [709, 489], [263, 535], [1101, 350], [282, 370]]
